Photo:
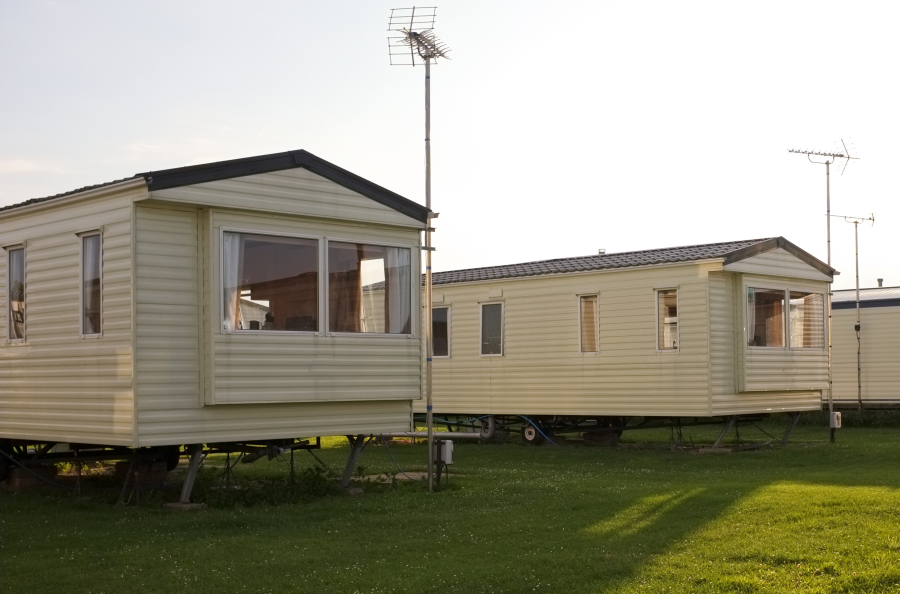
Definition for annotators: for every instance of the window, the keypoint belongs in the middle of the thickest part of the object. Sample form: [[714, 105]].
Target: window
[[667, 319], [765, 317], [90, 284], [492, 329], [270, 283], [15, 294], [590, 342], [440, 331], [807, 320], [369, 288]]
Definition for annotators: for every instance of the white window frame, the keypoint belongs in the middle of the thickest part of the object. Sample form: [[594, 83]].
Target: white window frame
[[8, 249], [81, 238], [414, 278], [786, 315], [481, 305], [319, 292], [656, 292], [449, 331], [596, 324]]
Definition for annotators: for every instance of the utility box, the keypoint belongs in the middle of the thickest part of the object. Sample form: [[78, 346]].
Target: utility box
[[443, 452], [835, 420]]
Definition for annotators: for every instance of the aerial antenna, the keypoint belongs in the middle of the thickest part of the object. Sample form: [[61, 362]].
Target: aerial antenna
[[856, 221], [412, 41]]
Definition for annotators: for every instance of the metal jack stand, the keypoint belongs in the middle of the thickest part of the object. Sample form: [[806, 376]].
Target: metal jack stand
[[357, 443], [196, 458], [731, 422], [792, 422]]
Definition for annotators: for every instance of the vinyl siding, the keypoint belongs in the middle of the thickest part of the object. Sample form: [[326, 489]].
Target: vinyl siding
[[777, 262], [880, 356], [726, 344], [543, 372], [57, 386], [293, 191]]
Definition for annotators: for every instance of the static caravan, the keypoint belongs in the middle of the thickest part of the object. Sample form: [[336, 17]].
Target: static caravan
[[717, 330], [218, 303], [866, 362]]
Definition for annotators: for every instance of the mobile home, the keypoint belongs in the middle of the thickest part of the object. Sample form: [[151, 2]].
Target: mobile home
[[716, 330], [209, 304], [866, 362]]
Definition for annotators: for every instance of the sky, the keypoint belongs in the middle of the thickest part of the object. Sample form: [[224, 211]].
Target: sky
[[557, 128]]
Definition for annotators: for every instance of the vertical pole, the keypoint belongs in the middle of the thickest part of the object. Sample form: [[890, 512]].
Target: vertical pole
[[828, 304], [828, 206], [858, 346], [429, 416]]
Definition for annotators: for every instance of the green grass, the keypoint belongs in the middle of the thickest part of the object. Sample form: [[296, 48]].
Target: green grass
[[808, 517]]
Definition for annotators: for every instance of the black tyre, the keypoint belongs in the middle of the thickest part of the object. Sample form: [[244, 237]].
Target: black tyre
[[531, 435], [173, 455]]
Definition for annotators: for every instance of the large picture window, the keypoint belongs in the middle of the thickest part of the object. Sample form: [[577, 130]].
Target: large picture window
[[807, 320], [15, 294], [369, 288], [667, 320], [590, 342], [90, 285], [270, 283], [492, 329], [440, 331]]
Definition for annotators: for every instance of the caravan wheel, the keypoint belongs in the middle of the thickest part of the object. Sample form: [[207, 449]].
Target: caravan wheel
[[531, 436]]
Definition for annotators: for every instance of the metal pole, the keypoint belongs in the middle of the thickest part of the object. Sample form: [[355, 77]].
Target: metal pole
[[858, 346], [428, 339], [828, 232], [828, 206]]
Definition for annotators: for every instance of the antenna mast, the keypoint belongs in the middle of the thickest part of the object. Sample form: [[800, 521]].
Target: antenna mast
[[412, 41]]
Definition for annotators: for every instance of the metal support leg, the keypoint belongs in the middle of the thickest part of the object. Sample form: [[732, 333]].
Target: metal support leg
[[725, 430], [357, 443], [193, 467], [792, 422]]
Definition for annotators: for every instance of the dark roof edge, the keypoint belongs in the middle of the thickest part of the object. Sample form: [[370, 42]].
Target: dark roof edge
[[779, 242], [197, 174], [866, 304]]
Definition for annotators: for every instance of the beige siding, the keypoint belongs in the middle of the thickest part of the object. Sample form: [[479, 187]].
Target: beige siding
[[58, 386], [777, 262], [294, 191], [880, 355], [726, 342], [543, 371], [181, 367]]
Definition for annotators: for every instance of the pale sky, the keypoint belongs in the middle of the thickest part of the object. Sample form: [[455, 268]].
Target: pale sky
[[557, 128]]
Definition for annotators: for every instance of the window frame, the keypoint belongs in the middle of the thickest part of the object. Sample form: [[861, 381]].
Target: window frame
[[786, 317], [581, 350], [502, 305], [656, 292], [320, 259], [449, 332], [81, 238], [8, 249]]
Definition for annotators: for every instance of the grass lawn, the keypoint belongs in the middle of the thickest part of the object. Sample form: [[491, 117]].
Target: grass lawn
[[807, 517]]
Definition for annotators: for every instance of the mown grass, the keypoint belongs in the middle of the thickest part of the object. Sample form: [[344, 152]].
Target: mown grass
[[807, 517]]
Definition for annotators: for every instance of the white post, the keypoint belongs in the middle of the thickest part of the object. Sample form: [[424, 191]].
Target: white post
[[828, 304], [429, 351], [858, 345]]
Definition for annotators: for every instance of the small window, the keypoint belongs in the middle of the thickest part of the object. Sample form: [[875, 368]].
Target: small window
[[590, 340], [765, 318], [369, 288], [440, 331], [667, 319], [15, 288], [807, 320], [492, 329], [90, 285], [270, 283]]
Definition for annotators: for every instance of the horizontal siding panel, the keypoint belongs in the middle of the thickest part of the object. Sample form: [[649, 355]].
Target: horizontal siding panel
[[879, 355], [777, 262]]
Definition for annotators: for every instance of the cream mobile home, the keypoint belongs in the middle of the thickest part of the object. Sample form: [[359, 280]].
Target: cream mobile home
[[211, 304], [866, 360], [717, 330]]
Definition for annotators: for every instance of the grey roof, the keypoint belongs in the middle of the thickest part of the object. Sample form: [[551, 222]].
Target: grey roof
[[874, 297], [69, 193], [689, 253]]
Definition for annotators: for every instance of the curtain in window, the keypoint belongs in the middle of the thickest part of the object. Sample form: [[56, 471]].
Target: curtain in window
[[91, 289], [751, 317], [345, 287], [397, 271], [16, 290], [589, 324], [233, 272]]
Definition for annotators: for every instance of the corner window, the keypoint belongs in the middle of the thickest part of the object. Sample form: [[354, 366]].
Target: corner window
[[369, 288], [15, 294], [90, 284], [492, 329], [807, 320], [440, 331], [765, 318], [270, 283], [667, 319], [589, 322]]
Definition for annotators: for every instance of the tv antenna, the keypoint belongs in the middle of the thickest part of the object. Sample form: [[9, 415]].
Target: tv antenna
[[856, 221], [412, 41]]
